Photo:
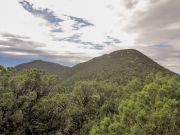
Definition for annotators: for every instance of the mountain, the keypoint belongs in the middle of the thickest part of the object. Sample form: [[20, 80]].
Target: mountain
[[50, 67], [119, 66]]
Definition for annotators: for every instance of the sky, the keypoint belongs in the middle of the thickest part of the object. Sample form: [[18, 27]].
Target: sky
[[73, 31]]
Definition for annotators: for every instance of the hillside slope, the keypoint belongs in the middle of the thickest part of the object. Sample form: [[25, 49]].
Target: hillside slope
[[52, 68], [120, 66]]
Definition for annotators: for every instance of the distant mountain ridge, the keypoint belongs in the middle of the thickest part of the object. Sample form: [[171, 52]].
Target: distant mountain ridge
[[118, 66], [50, 67]]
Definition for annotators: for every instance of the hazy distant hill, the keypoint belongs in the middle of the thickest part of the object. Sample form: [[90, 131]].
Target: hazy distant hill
[[118, 66], [53, 68]]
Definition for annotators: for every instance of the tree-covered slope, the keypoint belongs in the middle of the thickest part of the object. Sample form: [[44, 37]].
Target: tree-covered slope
[[117, 66], [35, 103]]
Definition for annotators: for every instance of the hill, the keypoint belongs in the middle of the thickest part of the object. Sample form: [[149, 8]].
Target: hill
[[50, 67], [119, 66]]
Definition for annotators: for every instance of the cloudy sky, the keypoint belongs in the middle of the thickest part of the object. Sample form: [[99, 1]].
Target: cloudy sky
[[73, 31]]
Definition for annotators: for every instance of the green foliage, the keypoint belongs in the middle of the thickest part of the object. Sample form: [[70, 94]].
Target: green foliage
[[20, 96], [154, 110], [37, 103], [89, 101]]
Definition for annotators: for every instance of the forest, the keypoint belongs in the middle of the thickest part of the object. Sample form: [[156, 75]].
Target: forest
[[36, 102]]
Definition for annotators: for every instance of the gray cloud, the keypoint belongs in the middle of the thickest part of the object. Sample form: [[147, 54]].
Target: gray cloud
[[9, 35], [79, 22], [30, 48], [130, 3], [46, 13], [114, 40], [11, 47], [157, 36], [19, 45], [56, 30], [18, 41], [76, 39], [155, 24], [161, 15]]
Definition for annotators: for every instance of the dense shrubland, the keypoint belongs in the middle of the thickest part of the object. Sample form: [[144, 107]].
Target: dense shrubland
[[36, 103]]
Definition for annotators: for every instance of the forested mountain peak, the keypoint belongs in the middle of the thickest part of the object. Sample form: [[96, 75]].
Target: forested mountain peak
[[120, 66]]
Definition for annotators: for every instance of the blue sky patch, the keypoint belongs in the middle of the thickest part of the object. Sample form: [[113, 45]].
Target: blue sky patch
[[161, 45]]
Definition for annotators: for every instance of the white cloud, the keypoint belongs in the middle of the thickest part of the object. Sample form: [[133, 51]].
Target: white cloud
[[114, 18]]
